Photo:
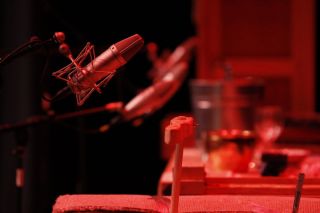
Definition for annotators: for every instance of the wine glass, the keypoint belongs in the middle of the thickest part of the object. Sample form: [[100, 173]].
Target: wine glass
[[268, 125]]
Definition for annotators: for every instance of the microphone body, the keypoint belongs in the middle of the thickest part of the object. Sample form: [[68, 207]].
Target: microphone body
[[84, 80], [102, 66], [182, 53], [156, 95]]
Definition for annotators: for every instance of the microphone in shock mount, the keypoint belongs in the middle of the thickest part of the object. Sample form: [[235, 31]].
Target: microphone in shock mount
[[84, 80]]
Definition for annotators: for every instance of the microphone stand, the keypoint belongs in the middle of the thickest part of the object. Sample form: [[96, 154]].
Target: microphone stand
[[33, 43], [22, 137], [38, 119]]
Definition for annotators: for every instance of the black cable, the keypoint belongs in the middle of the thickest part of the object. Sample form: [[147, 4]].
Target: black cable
[[33, 43]]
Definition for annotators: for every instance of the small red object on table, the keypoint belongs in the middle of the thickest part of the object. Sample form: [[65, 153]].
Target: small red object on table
[[180, 129]]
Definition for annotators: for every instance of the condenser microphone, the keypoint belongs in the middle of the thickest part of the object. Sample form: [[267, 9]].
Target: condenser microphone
[[83, 80], [152, 98], [181, 53], [155, 96]]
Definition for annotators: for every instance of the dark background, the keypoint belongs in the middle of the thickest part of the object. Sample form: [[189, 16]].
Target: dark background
[[65, 158]]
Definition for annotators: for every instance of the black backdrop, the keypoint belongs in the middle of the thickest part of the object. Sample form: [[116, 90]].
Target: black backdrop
[[62, 158]]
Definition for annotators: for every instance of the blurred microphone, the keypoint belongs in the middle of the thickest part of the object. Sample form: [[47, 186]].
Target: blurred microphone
[[152, 98], [156, 95], [84, 80], [162, 64]]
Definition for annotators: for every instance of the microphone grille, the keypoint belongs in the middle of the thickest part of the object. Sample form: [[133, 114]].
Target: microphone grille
[[130, 46]]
